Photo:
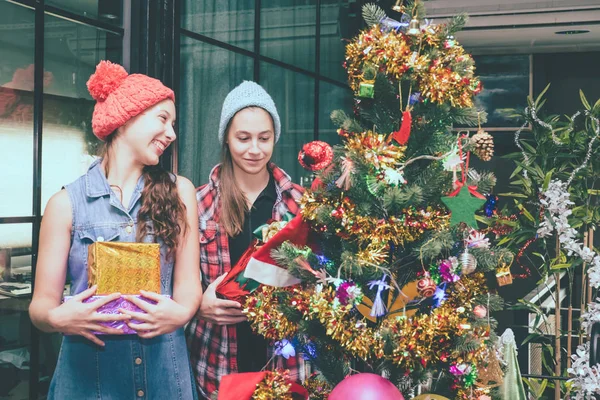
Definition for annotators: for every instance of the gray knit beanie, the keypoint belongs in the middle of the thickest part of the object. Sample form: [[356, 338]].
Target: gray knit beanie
[[248, 94]]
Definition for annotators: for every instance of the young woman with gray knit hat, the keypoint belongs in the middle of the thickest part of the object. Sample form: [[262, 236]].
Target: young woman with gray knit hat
[[245, 191], [125, 196]]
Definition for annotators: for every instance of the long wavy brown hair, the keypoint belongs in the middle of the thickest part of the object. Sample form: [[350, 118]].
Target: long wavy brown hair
[[162, 212]]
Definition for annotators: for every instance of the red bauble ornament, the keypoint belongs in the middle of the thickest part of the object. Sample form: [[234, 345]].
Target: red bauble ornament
[[365, 387], [315, 155], [426, 287]]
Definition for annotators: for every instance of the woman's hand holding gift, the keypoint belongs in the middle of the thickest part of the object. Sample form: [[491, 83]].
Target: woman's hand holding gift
[[219, 311], [75, 317], [165, 316]]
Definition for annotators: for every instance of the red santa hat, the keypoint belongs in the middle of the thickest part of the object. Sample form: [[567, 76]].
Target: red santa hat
[[261, 266]]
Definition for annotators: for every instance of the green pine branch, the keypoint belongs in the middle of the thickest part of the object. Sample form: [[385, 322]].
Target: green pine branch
[[456, 24], [493, 302], [468, 116], [415, 8], [341, 119], [485, 181], [372, 14], [490, 259], [466, 343]]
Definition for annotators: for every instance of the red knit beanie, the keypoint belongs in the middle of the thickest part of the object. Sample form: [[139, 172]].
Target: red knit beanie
[[120, 96]]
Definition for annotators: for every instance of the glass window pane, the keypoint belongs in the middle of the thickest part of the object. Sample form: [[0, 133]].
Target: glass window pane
[[16, 109], [227, 21], [68, 144], [109, 11], [331, 98], [287, 32], [208, 73], [293, 94], [15, 331], [339, 23]]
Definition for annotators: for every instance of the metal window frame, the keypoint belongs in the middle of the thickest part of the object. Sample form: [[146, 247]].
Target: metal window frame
[[259, 58]]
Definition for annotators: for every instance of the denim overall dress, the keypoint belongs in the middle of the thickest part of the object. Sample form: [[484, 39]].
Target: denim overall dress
[[128, 367]]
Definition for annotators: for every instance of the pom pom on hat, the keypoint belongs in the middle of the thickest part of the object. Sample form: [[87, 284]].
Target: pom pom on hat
[[107, 78]]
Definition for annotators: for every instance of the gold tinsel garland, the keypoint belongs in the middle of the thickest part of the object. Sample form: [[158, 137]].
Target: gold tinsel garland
[[418, 341], [352, 334], [262, 309], [318, 388], [372, 236], [448, 76], [275, 386], [374, 149]]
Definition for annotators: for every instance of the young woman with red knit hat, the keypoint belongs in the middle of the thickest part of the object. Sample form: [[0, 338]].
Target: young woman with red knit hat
[[245, 191], [125, 196]]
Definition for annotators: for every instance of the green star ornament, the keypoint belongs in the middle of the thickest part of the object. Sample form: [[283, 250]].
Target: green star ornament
[[463, 207]]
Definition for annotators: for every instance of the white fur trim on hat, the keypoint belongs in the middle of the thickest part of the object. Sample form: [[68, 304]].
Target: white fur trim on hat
[[248, 94]]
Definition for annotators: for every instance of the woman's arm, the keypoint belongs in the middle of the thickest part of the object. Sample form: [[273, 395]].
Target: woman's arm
[[46, 312], [51, 268], [187, 289]]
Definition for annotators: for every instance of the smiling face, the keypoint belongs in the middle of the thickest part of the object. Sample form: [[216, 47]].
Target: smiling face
[[148, 134], [251, 139]]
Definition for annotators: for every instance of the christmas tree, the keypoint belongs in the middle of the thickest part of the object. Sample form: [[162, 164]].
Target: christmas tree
[[395, 279]]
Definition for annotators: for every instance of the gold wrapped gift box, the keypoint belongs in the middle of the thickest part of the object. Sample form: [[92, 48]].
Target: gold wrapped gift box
[[124, 267]]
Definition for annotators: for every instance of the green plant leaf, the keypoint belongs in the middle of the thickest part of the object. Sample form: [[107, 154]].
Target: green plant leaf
[[596, 108], [560, 266], [526, 213], [505, 239], [547, 179], [542, 93], [513, 194], [584, 100], [516, 171]]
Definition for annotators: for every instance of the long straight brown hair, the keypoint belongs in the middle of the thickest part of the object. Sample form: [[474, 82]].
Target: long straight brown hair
[[233, 201], [161, 204]]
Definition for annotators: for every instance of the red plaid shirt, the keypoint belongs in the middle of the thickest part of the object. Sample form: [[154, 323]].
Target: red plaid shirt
[[213, 348]]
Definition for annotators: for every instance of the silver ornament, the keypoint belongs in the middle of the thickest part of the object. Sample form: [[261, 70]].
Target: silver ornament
[[468, 263]]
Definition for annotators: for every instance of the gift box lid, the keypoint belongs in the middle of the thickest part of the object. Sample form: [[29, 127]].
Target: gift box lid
[[124, 267]]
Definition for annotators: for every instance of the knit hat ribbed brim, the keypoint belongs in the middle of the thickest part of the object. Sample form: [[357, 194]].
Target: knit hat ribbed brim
[[248, 94]]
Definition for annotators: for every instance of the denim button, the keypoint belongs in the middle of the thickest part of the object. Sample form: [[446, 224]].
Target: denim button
[[138, 361], [140, 393], [128, 229]]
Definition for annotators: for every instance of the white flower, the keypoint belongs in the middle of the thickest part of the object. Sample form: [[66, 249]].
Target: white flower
[[452, 160], [393, 177], [586, 379], [478, 240]]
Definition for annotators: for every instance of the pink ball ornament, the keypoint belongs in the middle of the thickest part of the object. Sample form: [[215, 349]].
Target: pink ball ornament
[[365, 387], [480, 311]]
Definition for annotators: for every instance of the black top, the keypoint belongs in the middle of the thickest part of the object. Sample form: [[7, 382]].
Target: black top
[[252, 348]]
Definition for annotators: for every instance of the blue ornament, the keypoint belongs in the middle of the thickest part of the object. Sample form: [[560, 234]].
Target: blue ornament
[[414, 98], [490, 205], [439, 296], [309, 351]]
